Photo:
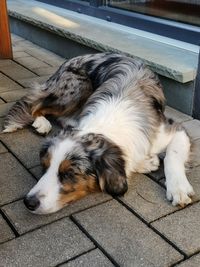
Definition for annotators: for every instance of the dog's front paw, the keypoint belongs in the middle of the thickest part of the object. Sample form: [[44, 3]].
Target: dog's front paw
[[42, 125], [179, 192]]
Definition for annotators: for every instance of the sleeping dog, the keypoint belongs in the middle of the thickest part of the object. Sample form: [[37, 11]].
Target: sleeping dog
[[113, 124]]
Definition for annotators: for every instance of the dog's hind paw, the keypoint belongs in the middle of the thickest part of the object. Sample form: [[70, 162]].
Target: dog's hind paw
[[42, 125]]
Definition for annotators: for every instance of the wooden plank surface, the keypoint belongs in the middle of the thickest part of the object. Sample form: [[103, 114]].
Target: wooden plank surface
[[5, 39]]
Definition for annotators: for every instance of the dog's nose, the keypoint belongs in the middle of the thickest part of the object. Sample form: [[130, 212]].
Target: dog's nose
[[31, 202]]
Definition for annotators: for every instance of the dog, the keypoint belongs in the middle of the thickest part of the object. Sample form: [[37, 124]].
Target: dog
[[111, 108]]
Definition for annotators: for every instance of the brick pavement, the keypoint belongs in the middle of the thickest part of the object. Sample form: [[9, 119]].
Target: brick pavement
[[139, 229]]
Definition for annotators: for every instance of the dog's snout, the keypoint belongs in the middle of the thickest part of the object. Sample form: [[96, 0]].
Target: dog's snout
[[31, 202]]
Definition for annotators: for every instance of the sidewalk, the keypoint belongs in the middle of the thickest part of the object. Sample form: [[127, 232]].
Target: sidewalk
[[140, 229]]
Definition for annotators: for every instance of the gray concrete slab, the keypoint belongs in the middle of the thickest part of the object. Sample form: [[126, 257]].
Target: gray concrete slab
[[47, 246], [15, 95], [36, 171], [45, 55], [25, 221], [195, 156], [176, 115], [4, 108], [5, 231], [31, 62], [94, 258], [16, 71], [1, 124], [25, 145], [15, 180], [191, 262], [129, 241], [192, 128], [7, 84], [20, 54], [3, 149], [147, 198], [182, 228]]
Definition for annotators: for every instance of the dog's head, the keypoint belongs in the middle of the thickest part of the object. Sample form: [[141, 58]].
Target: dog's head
[[74, 167]]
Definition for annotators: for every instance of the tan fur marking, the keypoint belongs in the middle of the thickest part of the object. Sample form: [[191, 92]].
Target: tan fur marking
[[83, 187], [46, 160]]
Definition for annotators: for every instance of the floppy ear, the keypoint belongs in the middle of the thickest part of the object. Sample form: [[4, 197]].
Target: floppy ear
[[110, 168], [108, 163], [44, 155]]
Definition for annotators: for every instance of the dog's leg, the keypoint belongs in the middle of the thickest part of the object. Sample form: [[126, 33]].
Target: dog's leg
[[179, 189]]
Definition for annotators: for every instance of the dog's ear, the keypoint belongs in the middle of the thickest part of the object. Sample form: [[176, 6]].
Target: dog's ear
[[110, 168], [108, 163], [45, 156]]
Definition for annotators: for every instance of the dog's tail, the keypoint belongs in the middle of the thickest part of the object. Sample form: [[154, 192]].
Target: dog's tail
[[20, 113]]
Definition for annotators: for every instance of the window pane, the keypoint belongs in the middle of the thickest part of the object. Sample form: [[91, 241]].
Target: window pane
[[187, 11]]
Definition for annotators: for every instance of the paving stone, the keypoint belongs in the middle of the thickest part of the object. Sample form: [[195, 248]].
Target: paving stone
[[48, 246], [46, 56], [128, 240], [25, 145], [11, 96], [20, 54], [193, 177], [16, 38], [176, 115], [17, 48], [147, 198], [195, 156], [182, 228], [45, 71], [17, 72], [31, 62], [5, 231], [5, 62], [1, 124], [7, 84], [37, 171], [29, 82], [4, 108], [192, 128], [25, 221], [191, 262], [94, 258], [15, 180], [3, 148]]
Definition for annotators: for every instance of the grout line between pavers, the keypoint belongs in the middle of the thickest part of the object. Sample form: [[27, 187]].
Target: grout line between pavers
[[15, 156], [49, 223], [11, 202], [25, 67], [77, 256], [14, 230], [151, 227], [5, 74], [94, 241], [3, 100], [41, 59], [189, 205], [183, 260]]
